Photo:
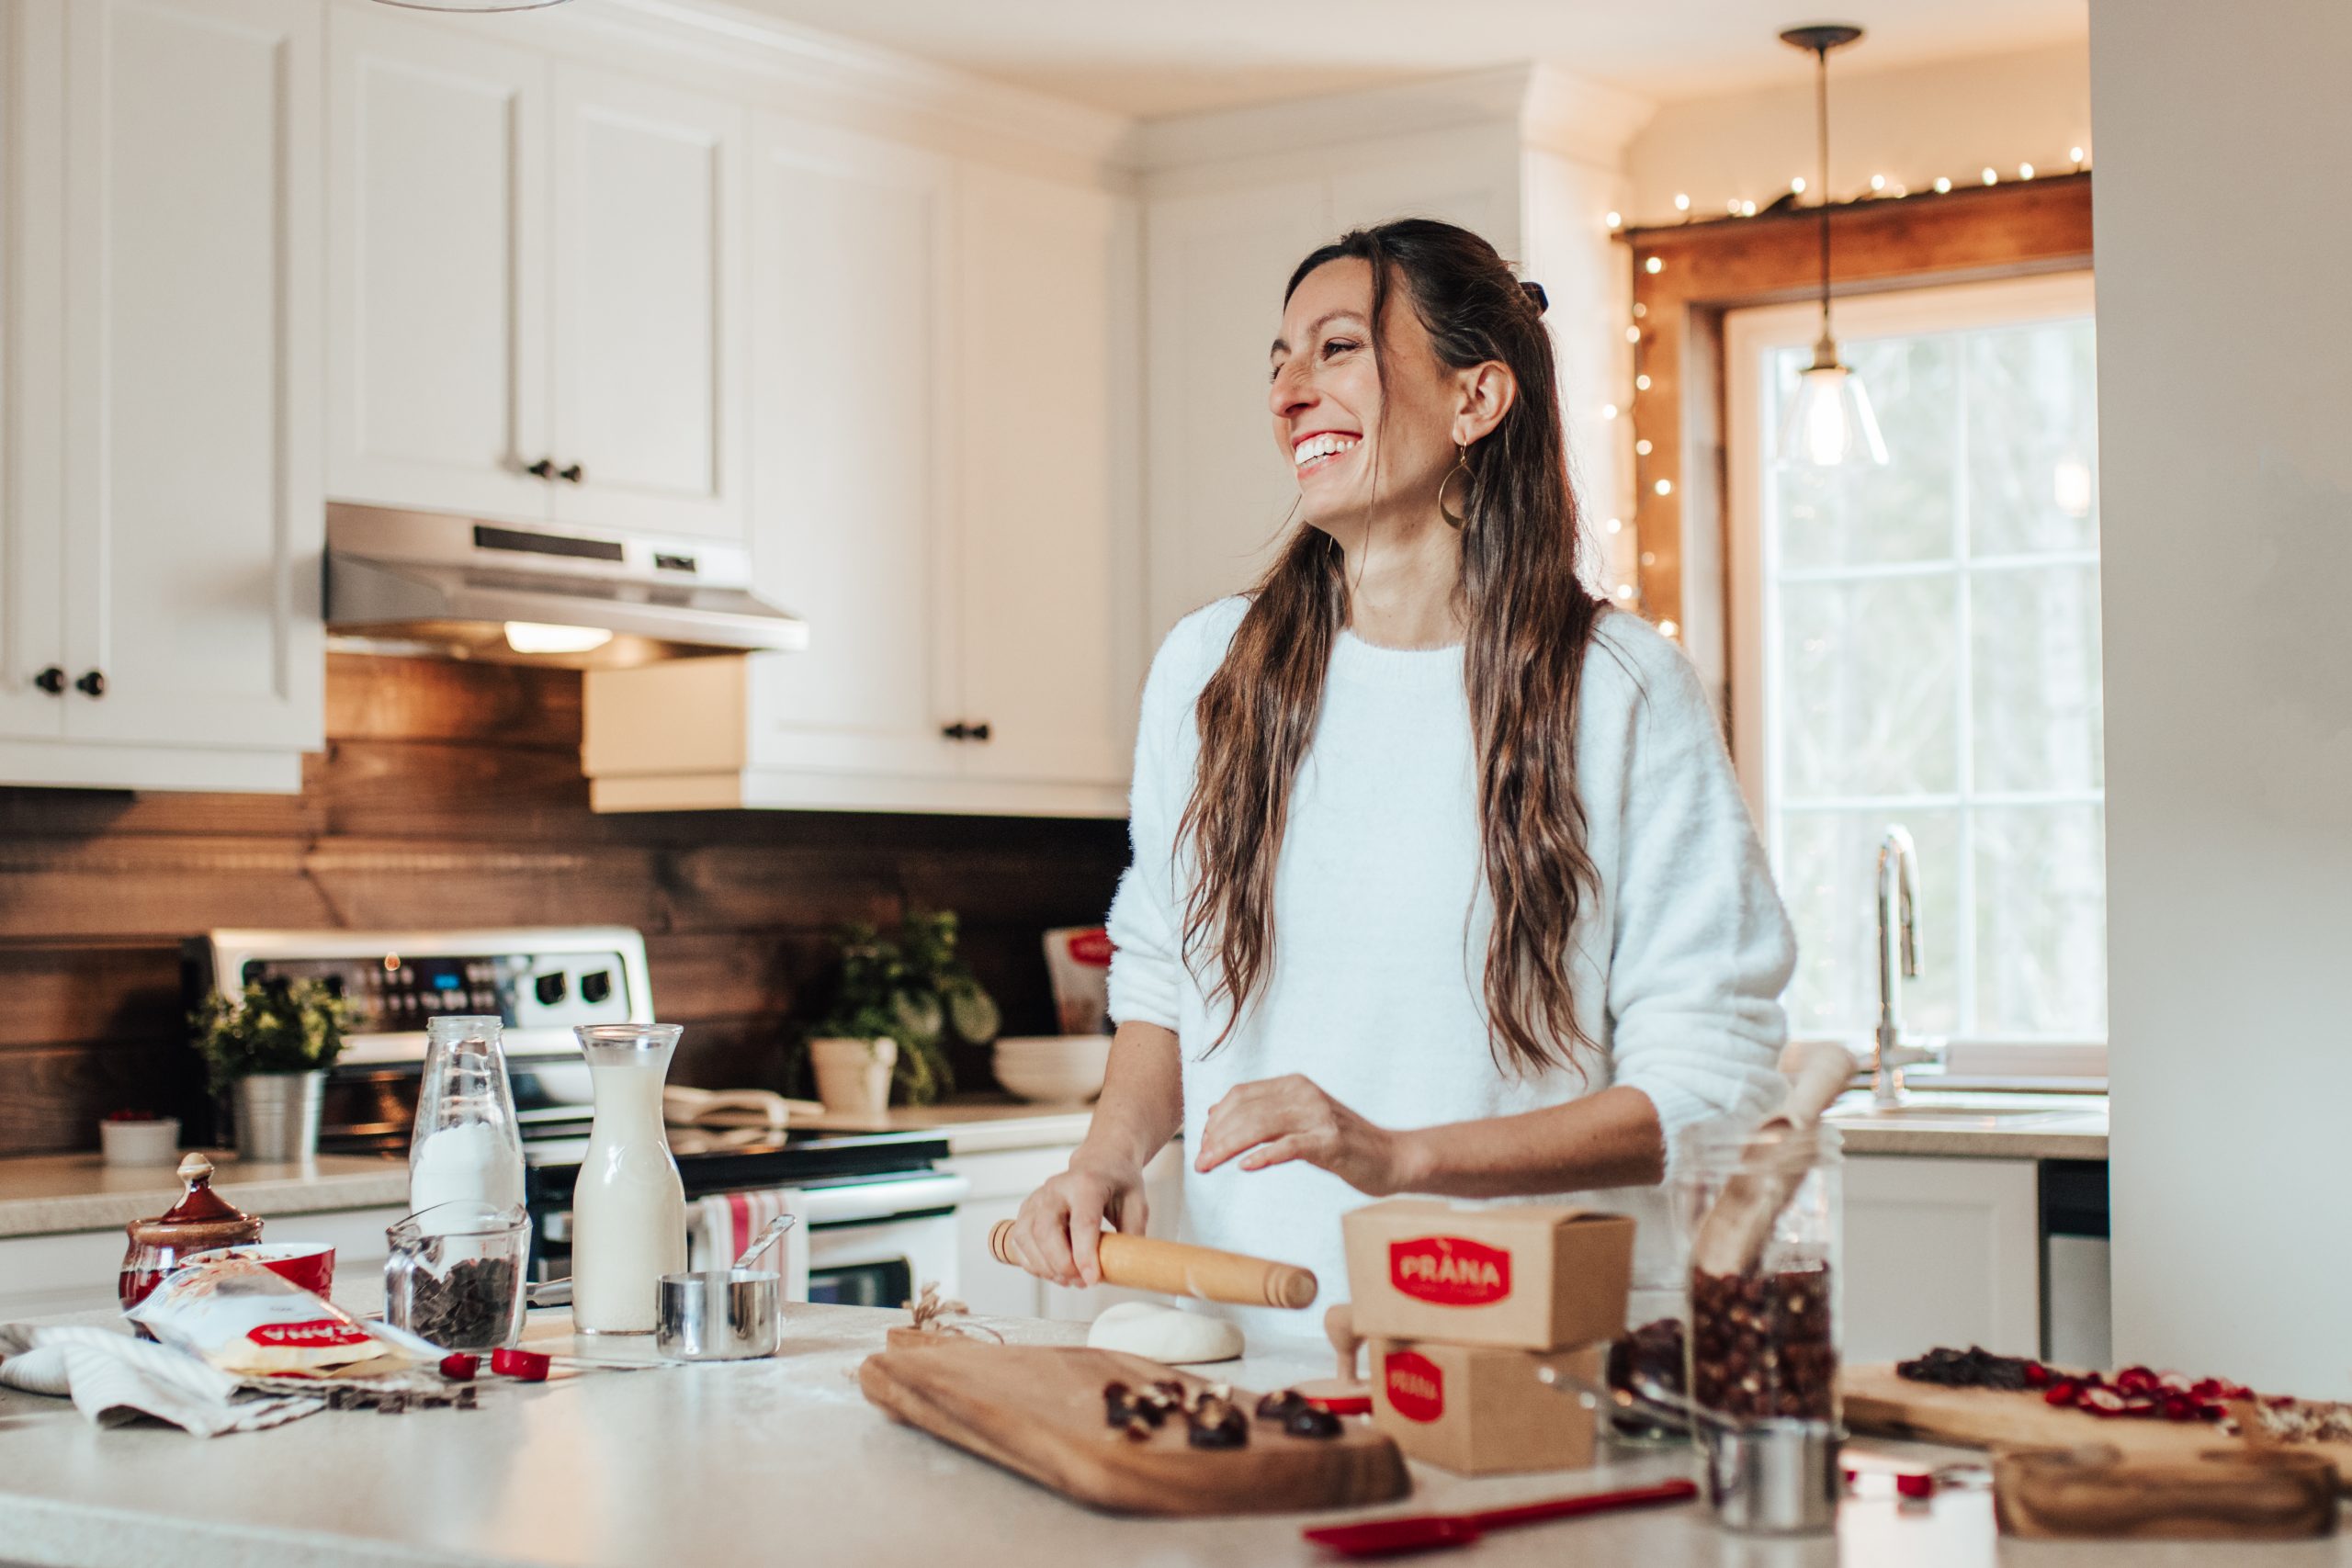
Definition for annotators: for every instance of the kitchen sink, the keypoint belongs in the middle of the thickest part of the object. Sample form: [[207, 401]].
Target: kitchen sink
[[1957, 1110], [2003, 1116]]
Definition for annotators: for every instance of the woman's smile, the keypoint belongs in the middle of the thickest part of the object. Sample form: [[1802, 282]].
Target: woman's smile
[[1319, 449]]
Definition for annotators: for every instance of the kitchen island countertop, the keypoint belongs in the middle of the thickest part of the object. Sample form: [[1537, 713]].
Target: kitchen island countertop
[[42, 1194], [783, 1460]]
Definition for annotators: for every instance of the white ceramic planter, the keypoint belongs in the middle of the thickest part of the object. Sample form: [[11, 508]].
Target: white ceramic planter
[[140, 1143], [853, 1076]]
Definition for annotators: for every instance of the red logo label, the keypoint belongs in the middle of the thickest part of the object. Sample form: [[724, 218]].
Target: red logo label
[[1091, 948], [1416, 1386], [319, 1331], [1450, 1270]]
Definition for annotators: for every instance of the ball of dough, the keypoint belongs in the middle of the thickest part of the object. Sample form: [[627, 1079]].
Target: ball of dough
[[1163, 1334]]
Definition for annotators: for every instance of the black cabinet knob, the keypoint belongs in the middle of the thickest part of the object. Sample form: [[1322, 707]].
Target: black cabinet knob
[[51, 680], [980, 730], [958, 730], [575, 473], [92, 685], [544, 468]]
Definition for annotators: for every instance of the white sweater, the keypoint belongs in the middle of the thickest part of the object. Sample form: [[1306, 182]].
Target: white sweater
[[1381, 916]]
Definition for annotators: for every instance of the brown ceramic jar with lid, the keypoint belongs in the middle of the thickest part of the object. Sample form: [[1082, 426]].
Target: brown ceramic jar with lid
[[201, 1219]]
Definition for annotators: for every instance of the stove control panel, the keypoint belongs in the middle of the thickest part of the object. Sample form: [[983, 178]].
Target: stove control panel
[[396, 983]]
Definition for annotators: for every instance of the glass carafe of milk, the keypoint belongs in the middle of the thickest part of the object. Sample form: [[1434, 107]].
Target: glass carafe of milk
[[628, 1211]]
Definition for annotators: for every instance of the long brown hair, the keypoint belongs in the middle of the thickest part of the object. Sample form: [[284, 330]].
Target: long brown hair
[[1529, 622]]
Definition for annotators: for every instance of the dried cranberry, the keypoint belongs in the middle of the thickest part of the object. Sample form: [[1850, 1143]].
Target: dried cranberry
[[2180, 1408], [460, 1367], [2036, 1374], [2063, 1392]]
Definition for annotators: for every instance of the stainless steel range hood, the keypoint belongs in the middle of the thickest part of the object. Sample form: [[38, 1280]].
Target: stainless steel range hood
[[432, 583]]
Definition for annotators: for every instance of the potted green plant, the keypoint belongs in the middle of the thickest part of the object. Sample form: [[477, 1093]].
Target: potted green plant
[[898, 1001], [272, 1046]]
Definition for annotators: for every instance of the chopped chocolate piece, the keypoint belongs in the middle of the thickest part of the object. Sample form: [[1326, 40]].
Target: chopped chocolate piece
[[1278, 1407], [1225, 1430], [1311, 1421], [471, 1308], [468, 1398]]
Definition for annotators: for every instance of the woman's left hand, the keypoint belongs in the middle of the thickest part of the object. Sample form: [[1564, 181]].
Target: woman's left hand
[[1277, 1120]]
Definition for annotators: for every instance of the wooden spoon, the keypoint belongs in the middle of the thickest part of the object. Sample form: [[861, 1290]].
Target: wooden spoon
[[1773, 1162]]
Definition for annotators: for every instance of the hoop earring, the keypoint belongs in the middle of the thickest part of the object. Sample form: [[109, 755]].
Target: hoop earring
[[1461, 466]]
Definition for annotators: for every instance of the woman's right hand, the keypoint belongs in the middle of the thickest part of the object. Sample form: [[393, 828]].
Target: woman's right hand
[[1055, 1233]]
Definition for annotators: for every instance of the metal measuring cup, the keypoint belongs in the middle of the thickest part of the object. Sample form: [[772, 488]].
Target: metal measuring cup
[[724, 1314], [1768, 1477]]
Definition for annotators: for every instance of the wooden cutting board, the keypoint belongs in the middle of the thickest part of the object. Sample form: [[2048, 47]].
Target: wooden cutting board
[[1877, 1400], [1037, 1410]]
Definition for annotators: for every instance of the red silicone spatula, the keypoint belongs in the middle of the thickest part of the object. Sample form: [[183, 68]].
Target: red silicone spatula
[[1391, 1537]]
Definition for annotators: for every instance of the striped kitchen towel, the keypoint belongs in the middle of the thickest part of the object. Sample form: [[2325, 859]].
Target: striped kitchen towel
[[720, 1226]]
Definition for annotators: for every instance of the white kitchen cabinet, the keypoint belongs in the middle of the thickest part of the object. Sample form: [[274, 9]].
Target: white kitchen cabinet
[[1940, 1252], [164, 484], [853, 285], [32, 538], [647, 263], [437, 229], [536, 274], [944, 424], [1051, 667]]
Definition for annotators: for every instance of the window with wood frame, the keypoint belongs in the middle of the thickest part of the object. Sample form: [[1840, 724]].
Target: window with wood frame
[[1848, 705]]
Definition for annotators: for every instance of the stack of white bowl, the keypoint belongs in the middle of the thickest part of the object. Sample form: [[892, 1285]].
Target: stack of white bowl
[[1053, 1069]]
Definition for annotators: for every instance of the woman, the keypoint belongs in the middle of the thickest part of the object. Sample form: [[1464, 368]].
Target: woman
[[1441, 881]]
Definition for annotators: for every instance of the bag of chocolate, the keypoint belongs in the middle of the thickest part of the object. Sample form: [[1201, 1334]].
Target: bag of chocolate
[[237, 1315]]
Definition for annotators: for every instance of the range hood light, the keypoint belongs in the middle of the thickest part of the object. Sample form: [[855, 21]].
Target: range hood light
[[539, 637]]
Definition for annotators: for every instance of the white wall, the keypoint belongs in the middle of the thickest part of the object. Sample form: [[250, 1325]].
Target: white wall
[[2225, 389], [1525, 156], [1910, 124]]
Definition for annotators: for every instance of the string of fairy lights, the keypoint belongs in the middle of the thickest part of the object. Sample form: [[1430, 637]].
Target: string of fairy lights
[[1621, 539]]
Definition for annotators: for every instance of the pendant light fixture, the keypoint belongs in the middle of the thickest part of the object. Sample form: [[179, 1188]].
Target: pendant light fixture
[[1829, 422]]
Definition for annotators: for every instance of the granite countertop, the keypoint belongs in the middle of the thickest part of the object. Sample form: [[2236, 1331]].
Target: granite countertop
[[1972, 1125], [44, 1193], [755, 1461]]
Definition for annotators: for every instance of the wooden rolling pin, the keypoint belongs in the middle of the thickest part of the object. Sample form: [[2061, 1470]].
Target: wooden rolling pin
[[1173, 1268]]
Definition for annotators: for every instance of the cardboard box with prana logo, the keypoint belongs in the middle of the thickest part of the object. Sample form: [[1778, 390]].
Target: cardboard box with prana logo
[[1479, 1410], [1533, 1276]]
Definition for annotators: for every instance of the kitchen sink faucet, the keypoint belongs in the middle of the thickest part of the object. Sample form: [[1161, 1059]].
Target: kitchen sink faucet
[[1898, 958]]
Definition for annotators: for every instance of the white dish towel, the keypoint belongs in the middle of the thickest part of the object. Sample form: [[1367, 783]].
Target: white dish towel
[[113, 1377]]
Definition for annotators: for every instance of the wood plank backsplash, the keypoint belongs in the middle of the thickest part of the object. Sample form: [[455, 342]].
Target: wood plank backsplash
[[450, 795]]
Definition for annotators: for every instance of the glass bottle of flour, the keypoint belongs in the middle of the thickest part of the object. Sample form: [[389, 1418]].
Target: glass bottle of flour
[[628, 1210], [466, 1147]]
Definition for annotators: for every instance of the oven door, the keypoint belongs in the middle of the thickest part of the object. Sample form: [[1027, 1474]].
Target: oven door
[[878, 1243]]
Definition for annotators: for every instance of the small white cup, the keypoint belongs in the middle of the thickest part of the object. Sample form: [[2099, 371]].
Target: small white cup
[[140, 1143]]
